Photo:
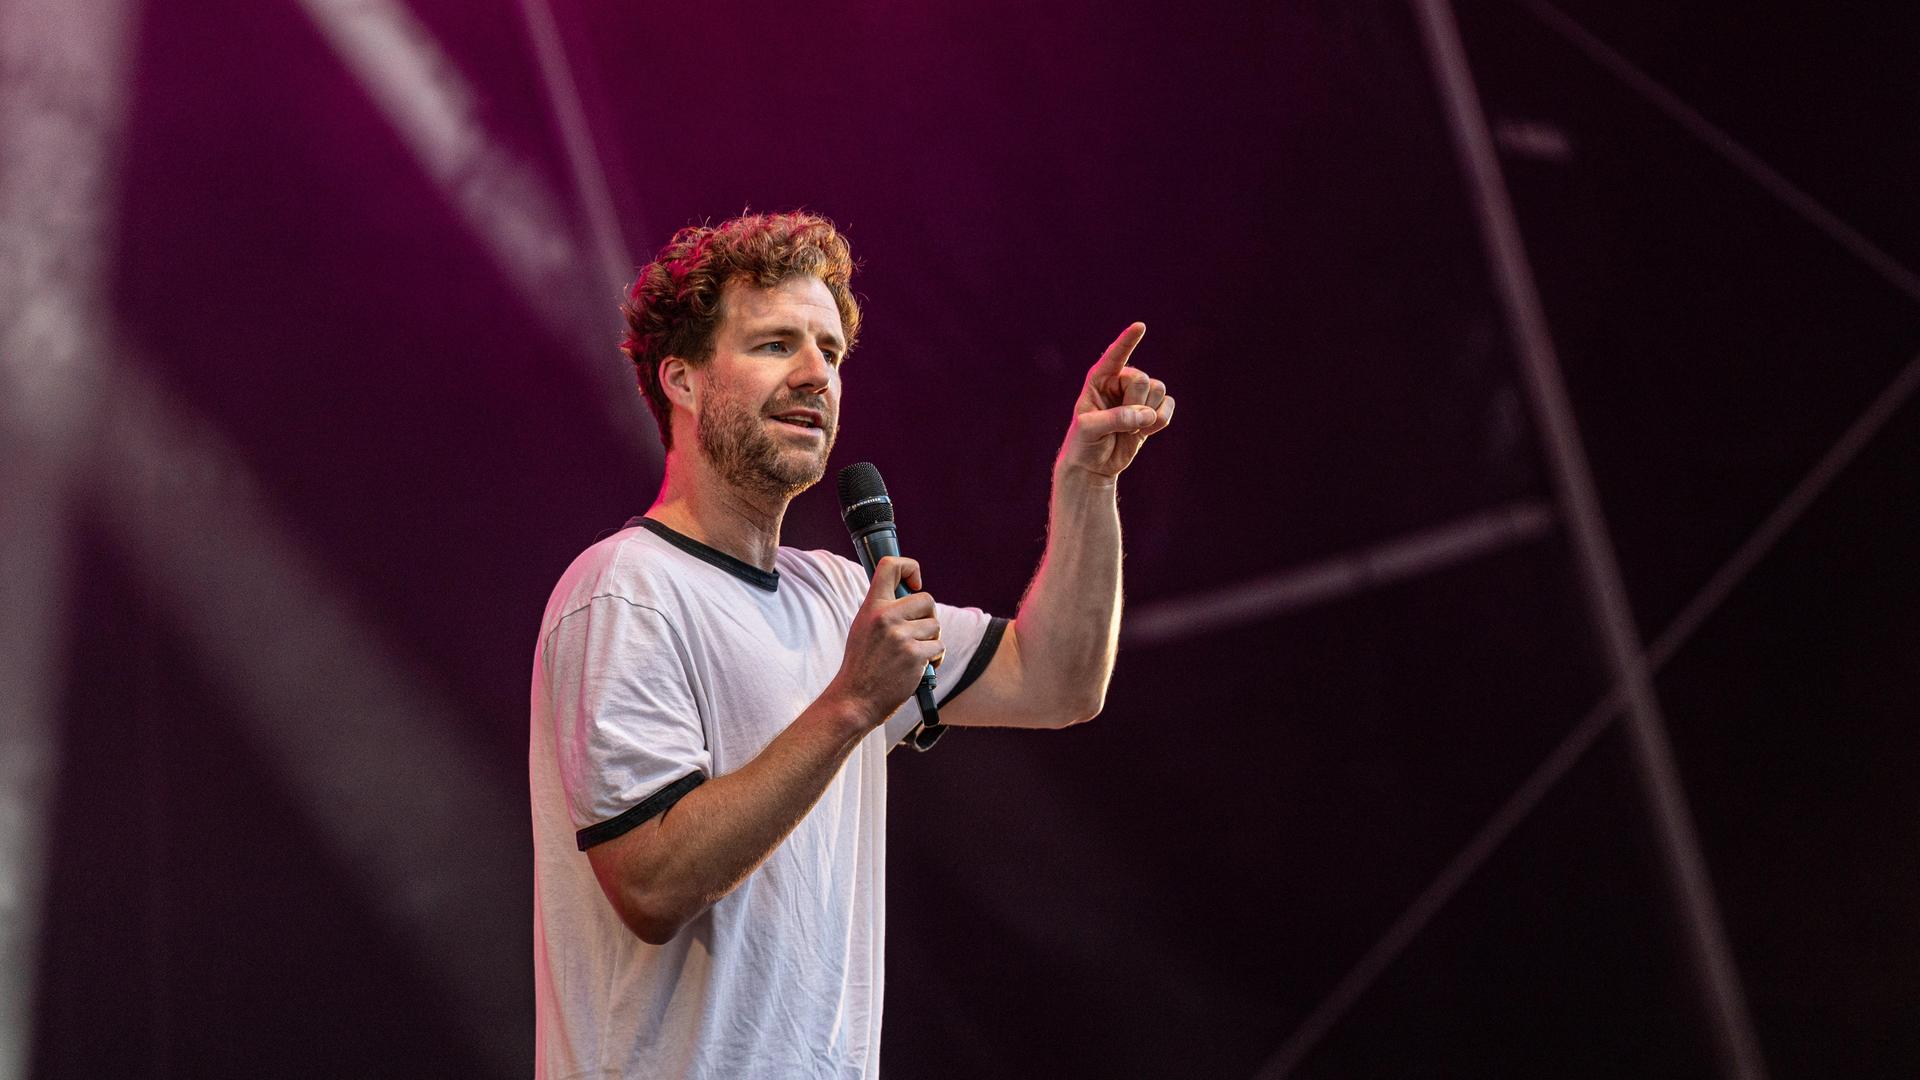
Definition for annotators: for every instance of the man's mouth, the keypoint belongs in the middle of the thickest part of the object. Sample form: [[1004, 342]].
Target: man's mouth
[[801, 418]]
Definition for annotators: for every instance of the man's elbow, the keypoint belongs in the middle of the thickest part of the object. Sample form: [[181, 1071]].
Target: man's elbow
[[654, 915], [641, 884], [655, 931], [1078, 710], [651, 919]]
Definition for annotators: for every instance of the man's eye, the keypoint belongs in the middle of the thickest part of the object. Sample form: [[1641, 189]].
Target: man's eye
[[780, 345]]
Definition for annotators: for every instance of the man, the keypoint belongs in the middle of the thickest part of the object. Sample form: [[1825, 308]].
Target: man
[[712, 711]]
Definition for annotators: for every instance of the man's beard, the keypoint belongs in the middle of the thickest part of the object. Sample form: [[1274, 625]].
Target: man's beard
[[735, 440]]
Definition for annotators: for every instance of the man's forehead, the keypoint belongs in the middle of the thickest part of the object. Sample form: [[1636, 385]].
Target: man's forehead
[[800, 301]]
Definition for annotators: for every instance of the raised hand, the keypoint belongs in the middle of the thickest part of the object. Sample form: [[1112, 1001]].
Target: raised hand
[[1118, 408]]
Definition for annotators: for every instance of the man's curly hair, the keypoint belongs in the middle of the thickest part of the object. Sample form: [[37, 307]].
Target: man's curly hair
[[674, 305]]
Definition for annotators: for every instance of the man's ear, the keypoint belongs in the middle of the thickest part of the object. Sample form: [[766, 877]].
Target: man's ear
[[676, 378]]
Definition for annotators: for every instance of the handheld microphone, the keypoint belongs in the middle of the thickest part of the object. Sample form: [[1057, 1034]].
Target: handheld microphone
[[868, 512]]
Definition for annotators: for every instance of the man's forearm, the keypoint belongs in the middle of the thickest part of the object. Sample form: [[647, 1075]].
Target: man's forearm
[[1068, 626], [675, 866]]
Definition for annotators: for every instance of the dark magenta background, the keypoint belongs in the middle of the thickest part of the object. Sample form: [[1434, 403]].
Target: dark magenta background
[[1170, 890]]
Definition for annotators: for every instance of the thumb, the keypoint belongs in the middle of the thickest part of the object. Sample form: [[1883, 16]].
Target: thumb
[[1122, 419]]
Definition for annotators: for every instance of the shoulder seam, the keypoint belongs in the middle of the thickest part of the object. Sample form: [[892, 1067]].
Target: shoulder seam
[[612, 596], [679, 640]]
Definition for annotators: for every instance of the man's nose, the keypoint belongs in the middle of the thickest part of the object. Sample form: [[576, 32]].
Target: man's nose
[[812, 370]]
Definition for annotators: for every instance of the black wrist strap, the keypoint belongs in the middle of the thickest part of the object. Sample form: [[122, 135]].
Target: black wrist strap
[[929, 729]]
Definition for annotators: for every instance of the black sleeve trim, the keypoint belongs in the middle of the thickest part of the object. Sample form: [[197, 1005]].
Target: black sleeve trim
[[982, 656], [635, 816]]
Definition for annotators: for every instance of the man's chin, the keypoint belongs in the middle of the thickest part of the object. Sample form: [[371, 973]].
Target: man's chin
[[754, 460], [809, 474], [807, 466], [790, 473]]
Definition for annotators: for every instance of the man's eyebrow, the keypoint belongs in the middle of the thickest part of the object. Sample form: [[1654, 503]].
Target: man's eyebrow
[[790, 332], [774, 329]]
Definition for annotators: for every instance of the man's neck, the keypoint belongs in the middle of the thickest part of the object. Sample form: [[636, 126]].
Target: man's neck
[[694, 501]]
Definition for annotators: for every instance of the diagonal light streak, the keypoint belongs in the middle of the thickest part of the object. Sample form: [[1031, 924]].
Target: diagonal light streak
[[499, 197], [1561, 760], [1746, 161], [33, 537], [1707, 600], [1454, 876], [584, 162], [373, 754], [61, 111], [1775, 525], [1735, 1041], [436, 113], [1331, 579]]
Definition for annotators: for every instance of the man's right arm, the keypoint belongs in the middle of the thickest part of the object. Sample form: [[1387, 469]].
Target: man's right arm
[[664, 873]]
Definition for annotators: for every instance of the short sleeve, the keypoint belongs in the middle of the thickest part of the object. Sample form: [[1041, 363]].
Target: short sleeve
[[627, 724], [971, 637]]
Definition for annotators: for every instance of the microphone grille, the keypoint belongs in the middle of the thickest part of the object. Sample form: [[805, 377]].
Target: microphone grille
[[863, 496]]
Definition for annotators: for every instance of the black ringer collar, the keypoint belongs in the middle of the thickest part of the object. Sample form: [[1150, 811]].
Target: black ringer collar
[[752, 575]]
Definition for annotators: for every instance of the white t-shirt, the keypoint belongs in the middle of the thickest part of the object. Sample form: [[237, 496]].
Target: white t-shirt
[[663, 662]]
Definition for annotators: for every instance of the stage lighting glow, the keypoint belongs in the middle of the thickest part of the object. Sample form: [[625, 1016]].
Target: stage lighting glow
[[502, 200], [62, 98]]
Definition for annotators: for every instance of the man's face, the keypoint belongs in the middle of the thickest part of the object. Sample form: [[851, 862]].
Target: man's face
[[770, 402]]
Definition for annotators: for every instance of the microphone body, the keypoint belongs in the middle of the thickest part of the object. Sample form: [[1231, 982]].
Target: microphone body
[[868, 513], [876, 542]]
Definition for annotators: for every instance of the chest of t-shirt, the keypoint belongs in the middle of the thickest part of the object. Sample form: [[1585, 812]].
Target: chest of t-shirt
[[759, 662]]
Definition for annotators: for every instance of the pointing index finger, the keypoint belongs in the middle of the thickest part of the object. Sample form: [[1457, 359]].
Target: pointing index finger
[[1115, 357]]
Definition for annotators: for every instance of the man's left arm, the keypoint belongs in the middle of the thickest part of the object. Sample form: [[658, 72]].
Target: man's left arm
[[1052, 667]]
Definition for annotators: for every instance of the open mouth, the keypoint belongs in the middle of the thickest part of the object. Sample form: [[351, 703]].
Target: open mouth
[[803, 421]]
